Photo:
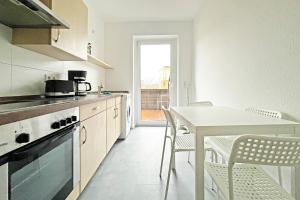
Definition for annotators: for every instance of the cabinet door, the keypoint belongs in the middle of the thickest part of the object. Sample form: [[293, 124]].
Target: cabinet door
[[111, 127], [73, 40], [63, 44], [93, 146], [118, 121], [100, 138]]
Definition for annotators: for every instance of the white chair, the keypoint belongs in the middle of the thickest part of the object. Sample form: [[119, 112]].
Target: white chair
[[179, 143], [243, 179], [222, 145]]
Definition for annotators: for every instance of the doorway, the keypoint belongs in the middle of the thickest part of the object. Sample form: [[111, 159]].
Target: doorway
[[155, 78]]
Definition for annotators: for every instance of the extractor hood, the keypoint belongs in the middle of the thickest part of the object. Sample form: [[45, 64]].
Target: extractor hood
[[28, 14]]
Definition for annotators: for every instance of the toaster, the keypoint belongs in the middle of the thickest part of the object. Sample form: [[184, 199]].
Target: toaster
[[59, 88]]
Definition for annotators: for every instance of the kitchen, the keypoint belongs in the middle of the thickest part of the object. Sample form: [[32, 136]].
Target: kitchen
[[71, 98]]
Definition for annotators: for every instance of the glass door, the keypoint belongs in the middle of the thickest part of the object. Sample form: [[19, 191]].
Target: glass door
[[156, 79], [155, 76]]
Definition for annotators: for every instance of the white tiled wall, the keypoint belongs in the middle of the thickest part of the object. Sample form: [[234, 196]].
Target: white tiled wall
[[22, 72]]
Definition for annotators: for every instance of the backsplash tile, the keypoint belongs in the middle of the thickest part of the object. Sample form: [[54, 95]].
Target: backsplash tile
[[22, 72], [95, 74], [26, 58], [27, 81], [5, 46], [5, 77]]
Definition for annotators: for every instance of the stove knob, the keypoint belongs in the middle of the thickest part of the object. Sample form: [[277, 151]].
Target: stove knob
[[69, 120], [23, 138], [74, 118], [55, 125], [63, 122]]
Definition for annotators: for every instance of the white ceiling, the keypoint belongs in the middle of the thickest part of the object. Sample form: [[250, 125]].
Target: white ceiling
[[145, 10]]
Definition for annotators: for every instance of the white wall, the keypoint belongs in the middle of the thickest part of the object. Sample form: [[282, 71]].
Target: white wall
[[119, 51], [22, 72], [247, 53]]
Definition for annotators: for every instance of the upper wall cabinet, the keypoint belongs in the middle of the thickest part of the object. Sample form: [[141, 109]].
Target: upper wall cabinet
[[63, 44]]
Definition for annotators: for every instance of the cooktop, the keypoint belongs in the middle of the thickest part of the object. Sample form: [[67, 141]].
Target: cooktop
[[21, 105]]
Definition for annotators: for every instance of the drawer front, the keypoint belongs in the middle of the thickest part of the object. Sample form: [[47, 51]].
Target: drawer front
[[118, 100], [92, 109], [111, 102]]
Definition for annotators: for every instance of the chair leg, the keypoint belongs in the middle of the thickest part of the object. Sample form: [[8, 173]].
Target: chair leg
[[162, 157], [280, 176], [215, 154], [169, 173], [213, 159], [173, 161], [218, 193], [189, 155]]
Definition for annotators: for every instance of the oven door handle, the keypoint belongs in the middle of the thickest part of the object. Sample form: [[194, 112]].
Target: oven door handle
[[24, 154], [20, 155]]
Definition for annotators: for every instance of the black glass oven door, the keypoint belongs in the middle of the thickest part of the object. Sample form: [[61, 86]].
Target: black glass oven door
[[43, 170]]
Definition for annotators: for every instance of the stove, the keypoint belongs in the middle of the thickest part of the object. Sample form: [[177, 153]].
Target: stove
[[40, 156]]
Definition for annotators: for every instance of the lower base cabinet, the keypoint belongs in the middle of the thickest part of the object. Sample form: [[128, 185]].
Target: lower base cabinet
[[111, 127], [99, 130], [93, 146], [118, 121]]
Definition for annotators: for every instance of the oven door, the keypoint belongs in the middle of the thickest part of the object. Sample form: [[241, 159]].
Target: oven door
[[3, 178], [43, 170]]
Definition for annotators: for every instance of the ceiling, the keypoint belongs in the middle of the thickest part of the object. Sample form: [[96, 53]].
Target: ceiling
[[145, 10]]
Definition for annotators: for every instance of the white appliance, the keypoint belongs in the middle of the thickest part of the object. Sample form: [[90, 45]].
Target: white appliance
[[126, 115]]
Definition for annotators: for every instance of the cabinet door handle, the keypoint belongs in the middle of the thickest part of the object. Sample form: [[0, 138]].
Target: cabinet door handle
[[115, 109], [58, 36], [85, 134]]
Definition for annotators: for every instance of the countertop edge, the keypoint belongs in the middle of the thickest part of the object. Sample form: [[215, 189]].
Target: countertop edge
[[15, 116]]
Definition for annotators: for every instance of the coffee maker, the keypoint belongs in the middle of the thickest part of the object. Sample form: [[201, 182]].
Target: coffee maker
[[81, 86]]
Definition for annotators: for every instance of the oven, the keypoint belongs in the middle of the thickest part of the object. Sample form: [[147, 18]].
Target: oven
[[45, 169]]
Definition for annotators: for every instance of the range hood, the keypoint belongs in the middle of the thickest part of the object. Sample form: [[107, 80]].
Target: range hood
[[28, 14]]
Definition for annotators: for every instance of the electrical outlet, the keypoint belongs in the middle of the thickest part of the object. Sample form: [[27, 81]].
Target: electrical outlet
[[49, 77]]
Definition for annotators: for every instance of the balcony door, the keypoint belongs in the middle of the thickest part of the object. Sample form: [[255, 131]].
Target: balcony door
[[156, 79]]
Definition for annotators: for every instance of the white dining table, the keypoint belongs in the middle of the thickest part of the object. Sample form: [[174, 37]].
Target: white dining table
[[223, 121]]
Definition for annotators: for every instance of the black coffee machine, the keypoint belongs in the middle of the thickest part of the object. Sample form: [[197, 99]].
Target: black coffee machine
[[81, 86]]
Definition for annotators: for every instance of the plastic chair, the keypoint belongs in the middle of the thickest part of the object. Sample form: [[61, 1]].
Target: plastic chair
[[246, 180], [222, 145], [179, 143]]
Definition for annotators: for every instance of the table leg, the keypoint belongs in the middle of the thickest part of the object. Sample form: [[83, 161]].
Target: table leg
[[199, 158]]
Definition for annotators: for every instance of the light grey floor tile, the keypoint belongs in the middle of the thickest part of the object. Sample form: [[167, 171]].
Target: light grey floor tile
[[131, 171]]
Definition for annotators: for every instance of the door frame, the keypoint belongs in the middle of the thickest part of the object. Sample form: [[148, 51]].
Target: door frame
[[153, 39]]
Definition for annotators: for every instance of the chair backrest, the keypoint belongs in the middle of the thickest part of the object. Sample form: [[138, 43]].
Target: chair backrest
[[170, 121], [266, 150], [266, 113], [263, 150]]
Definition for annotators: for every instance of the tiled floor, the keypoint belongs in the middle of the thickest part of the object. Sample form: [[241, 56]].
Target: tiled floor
[[131, 171], [153, 115]]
